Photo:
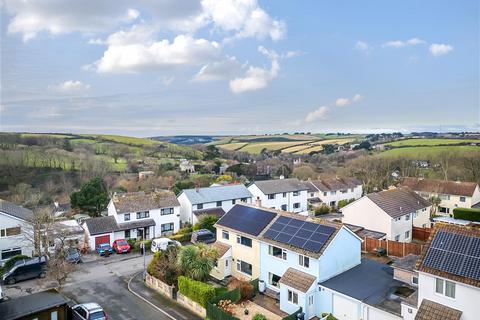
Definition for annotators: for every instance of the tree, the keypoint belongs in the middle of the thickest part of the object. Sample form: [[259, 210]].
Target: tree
[[435, 201], [206, 222], [224, 178], [284, 170], [196, 261], [363, 145], [328, 148], [303, 172], [59, 269], [91, 198], [164, 265], [211, 153]]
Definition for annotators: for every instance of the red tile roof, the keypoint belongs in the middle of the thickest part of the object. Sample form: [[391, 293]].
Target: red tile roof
[[457, 188]]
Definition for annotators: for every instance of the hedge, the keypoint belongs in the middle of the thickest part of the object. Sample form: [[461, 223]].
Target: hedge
[[185, 237], [467, 214], [197, 291]]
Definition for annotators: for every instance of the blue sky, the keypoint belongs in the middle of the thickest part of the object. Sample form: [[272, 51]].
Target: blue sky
[[162, 67]]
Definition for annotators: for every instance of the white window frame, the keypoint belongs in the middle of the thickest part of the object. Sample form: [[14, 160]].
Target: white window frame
[[271, 196], [397, 237], [407, 234], [443, 288], [302, 259], [296, 193], [239, 267], [225, 235], [292, 296], [283, 255], [407, 217]]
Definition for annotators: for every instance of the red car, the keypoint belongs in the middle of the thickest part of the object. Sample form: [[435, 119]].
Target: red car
[[121, 246]]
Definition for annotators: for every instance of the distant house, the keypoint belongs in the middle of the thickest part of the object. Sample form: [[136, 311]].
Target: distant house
[[135, 215], [449, 276], [186, 166], [65, 233], [331, 191], [60, 209], [16, 231], [453, 194], [281, 194], [211, 200], [145, 174], [393, 212]]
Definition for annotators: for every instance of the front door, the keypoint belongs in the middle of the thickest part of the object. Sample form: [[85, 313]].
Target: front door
[[311, 306], [140, 233]]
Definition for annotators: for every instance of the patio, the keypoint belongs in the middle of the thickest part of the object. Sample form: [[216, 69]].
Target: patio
[[270, 304], [254, 308]]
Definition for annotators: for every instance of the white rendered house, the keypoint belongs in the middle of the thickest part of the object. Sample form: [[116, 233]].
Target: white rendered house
[[331, 191]]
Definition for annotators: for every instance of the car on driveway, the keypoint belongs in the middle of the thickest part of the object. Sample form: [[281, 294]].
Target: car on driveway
[[88, 311], [102, 248], [72, 255], [26, 269], [161, 244], [203, 235], [121, 246]]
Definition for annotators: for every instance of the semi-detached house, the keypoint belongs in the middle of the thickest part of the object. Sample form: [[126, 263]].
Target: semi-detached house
[[281, 194], [136, 215], [331, 191], [393, 212]]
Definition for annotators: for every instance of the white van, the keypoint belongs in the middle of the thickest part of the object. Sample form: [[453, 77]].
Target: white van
[[160, 244], [2, 295]]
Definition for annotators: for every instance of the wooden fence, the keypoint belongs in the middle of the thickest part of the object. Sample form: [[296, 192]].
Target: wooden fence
[[421, 234], [393, 248]]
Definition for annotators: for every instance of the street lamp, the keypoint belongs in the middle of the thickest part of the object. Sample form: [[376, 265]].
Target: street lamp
[[142, 246]]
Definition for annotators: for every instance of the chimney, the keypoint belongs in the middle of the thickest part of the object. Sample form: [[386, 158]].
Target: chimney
[[258, 202], [197, 189]]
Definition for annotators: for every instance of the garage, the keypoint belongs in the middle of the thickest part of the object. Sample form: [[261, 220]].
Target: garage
[[344, 308], [102, 239]]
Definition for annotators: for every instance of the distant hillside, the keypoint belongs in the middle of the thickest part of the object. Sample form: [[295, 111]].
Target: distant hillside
[[186, 140]]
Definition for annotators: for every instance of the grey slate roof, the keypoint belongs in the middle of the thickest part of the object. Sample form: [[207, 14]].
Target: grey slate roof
[[101, 225], [32, 303], [371, 282], [141, 201], [398, 202], [280, 185], [406, 263], [214, 194], [217, 212], [334, 184], [135, 224], [15, 210]]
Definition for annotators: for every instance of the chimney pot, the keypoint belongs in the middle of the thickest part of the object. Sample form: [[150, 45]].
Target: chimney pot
[[258, 202]]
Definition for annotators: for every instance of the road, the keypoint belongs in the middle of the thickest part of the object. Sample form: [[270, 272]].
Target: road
[[105, 281]]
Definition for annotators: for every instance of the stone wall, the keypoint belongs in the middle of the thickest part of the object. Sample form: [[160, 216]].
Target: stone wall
[[191, 305], [160, 286]]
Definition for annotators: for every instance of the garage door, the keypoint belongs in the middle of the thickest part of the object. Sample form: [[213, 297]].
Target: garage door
[[102, 239], [344, 309]]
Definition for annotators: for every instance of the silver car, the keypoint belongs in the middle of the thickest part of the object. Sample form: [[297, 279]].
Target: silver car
[[89, 311]]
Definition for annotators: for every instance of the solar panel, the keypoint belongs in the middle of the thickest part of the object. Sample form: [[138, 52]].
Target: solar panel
[[454, 253], [299, 233], [246, 219]]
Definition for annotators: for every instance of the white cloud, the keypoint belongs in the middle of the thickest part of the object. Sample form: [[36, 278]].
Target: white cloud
[[44, 113], [401, 44], [319, 114], [257, 78], [357, 98], [219, 70], [135, 50], [97, 41], [363, 46], [70, 86], [439, 49], [341, 102]]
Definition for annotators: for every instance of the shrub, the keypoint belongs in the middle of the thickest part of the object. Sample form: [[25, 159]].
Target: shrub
[[259, 316], [467, 214], [10, 262], [185, 237], [163, 266], [323, 209], [197, 291], [206, 222], [247, 289]]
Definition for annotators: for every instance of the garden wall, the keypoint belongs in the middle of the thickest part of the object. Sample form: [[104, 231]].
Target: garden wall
[[160, 286], [191, 305]]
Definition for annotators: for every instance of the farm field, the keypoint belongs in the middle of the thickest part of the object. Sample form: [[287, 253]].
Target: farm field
[[315, 146], [124, 139], [428, 142], [424, 152], [272, 146], [233, 146]]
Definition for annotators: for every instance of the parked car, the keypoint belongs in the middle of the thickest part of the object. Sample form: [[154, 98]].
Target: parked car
[[163, 244], [73, 255], [88, 311], [102, 248], [121, 246], [203, 235], [26, 269]]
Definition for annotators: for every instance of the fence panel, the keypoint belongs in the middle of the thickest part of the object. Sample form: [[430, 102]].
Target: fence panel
[[421, 234], [393, 248]]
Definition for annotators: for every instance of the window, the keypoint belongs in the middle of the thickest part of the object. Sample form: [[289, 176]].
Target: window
[[344, 191], [296, 205], [415, 215], [414, 280], [9, 232], [284, 194], [166, 211], [445, 287], [352, 189], [407, 217], [126, 217], [82, 312], [273, 279], [199, 206], [397, 238], [443, 210], [304, 261], [462, 199], [292, 297], [424, 209], [234, 201], [397, 219], [333, 193], [127, 234], [407, 234], [277, 252], [244, 241], [143, 214], [271, 196], [167, 227], [296, 193], [219, 203], [225, 235], [53, 315], [8, 253], [444, 196], [284, 207], [244, 267], [244, 199], [325, 193]]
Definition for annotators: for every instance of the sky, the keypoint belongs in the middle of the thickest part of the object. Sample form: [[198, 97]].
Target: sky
[[169, 67]]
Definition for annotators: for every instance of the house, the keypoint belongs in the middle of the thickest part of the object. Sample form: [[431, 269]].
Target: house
[[60, 209], [136, 215], [43, 305], [297, 254], [333, 190], [393, 212], [145, 174], [238, 243], [453, 194], [64, 234], [16, 231], [448, 276], [186, 166], [211, 200], [281, 194]]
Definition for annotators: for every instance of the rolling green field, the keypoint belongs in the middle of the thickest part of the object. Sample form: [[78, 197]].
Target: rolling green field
[[428, 142], [124, 139], [424, 152], [272, 146]]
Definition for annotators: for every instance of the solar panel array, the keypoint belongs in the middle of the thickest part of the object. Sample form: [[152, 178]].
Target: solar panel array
[[247, 219], [454, 253], [298, 233]]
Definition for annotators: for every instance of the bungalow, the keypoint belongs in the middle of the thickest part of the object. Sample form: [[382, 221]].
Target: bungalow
[[449, 276], [333, 190], [296, 255], [453, 194], [281, 194], [211, 201], [393, 212], [136, 215], [16, 231]]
